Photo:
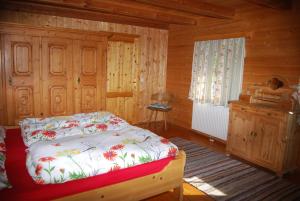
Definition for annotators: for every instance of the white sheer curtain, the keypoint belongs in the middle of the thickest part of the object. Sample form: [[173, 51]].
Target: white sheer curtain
[[217, 71]]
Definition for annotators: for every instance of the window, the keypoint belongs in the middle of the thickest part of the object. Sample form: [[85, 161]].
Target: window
[[217, 71]]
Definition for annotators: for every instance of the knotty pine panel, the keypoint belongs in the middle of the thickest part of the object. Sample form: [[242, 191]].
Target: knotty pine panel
[[152, 46], [273, 48]]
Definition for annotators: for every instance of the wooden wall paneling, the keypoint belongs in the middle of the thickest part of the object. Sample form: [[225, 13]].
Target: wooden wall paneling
[[121, 75], [144, 62], [112, 76], [57, 75], [127, 80], [272, 48], [88, 76], [136, 84], [144, 66], [131, 69], [22, 62], [146, 73]]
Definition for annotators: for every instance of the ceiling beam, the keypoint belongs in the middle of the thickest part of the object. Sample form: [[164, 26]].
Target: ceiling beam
[[33, 7], [108, 7], [126, 10], [193, 7], [276, 4]]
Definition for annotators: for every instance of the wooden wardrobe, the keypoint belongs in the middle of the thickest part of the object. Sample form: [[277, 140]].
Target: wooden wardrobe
[[54, 72]]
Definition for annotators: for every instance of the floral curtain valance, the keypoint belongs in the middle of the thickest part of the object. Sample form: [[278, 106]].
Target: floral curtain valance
[[217, 71]]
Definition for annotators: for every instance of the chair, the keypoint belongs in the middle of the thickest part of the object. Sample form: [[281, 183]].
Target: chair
[[160, 103]]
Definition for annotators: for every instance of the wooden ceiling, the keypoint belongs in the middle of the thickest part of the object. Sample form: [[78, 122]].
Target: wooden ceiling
[[149, 13]]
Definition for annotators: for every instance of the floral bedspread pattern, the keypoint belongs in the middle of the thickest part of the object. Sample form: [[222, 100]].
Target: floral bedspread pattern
[[40, 129], [94, 153], [3, 177]]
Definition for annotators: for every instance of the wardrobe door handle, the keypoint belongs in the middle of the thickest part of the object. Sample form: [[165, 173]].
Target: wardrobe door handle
[[10, 81], [78, 80]]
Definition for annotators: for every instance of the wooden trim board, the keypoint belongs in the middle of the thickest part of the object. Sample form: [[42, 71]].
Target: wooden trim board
[[119, 94], [247, 35], [14, 28], [129, 38]]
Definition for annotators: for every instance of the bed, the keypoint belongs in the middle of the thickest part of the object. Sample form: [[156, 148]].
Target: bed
[[131, 183]]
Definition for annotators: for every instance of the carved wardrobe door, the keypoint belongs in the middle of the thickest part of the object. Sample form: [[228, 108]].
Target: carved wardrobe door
[[57, 70], [89, 66], [121, 94], [22, 58]]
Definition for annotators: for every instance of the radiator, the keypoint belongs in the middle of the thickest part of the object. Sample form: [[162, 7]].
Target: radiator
[[211, 120]]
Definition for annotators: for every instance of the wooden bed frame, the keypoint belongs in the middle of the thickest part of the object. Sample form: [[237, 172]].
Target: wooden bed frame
[[140, 188]]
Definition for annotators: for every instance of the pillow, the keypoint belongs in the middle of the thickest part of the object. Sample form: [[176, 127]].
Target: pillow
[[109, 123], [37, 129], [3, 177], [42, 134]]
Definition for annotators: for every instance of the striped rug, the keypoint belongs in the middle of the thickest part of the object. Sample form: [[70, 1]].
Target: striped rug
[[224, 178]]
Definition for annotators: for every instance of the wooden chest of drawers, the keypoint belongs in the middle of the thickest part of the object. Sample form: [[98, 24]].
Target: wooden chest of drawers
[[263, 135]]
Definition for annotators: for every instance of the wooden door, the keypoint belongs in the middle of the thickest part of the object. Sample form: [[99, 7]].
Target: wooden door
[[89, 75], [121, 96], [22, 64], [57, 74], [240, 127], [265, 143]]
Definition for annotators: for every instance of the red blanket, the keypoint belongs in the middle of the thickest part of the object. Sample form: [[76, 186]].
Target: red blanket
[[24, 187]]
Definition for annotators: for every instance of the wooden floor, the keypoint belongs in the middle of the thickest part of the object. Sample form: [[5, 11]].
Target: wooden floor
[[191, 193]]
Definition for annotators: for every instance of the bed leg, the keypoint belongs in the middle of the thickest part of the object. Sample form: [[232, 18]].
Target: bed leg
[[179, 192]]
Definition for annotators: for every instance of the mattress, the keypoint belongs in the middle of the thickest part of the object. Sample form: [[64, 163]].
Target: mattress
[[24, 188]]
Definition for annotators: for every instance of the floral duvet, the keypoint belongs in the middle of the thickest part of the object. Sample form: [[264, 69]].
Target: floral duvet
[[94, 152]]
